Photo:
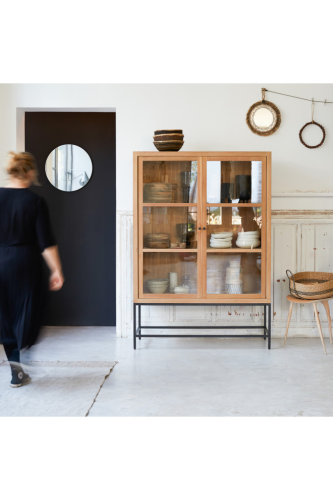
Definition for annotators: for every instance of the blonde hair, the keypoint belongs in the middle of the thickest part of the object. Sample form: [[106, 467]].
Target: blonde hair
[[19, 164]]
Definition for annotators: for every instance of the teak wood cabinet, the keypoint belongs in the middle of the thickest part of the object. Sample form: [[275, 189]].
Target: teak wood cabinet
[[183, 201]]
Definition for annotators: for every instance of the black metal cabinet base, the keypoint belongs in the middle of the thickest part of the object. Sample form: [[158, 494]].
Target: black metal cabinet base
[[138, 327]]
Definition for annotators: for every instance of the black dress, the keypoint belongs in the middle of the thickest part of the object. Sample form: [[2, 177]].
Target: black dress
[[25, 231]]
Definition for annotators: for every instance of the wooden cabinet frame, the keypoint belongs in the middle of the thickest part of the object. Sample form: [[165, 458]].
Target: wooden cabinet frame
[[201, 297]]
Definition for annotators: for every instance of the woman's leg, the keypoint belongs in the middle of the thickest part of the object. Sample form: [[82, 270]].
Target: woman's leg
[[13, 355], [10, 346], [11, 350]]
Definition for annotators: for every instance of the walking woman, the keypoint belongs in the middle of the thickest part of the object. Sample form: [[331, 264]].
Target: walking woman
[[25, 236]]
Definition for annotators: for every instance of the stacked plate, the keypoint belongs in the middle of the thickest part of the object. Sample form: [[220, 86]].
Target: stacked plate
[[216, 269], [158, 240], [248, 239], [234, 276], [221, 240], [158, 285], [168, 140], [159, 192]]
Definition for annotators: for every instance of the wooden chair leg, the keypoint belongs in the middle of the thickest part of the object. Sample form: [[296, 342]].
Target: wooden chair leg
[[327, 307], [319, 326], [288, 321]]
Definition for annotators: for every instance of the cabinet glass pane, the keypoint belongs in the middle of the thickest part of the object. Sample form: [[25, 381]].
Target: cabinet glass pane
[[234, 181], [234, 227], [170, 181], [170, 272], [233, 273], [169, 227]]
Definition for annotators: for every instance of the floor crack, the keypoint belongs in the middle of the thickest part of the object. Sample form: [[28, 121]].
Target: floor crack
[[99, 390]]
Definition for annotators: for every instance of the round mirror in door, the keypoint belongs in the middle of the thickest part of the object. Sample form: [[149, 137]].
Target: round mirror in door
[[263, 118], [68, 167]]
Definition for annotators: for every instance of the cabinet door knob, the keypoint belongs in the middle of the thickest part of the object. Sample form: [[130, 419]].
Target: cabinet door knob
[[199, 228], [204, 228]]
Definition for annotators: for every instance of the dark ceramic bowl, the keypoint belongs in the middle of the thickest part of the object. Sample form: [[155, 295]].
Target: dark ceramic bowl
[[170, 131], [168, 145]]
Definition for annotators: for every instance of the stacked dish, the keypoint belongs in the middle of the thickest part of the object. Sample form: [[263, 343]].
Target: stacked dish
[[234, 276], [158, 240], [168, 140], [248, 239], [158, 285], [159, 192], [221, 240], [183, 289], [216, 269]]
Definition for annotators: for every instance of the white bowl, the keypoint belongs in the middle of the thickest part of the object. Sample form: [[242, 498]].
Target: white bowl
[[228, 238], [182, 289], [248, 233], [248, 244], [227, 244], [246, 237], [222, 235], [158, 281]]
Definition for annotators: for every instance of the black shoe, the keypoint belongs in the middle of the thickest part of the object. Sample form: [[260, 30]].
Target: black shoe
[[19, 378]]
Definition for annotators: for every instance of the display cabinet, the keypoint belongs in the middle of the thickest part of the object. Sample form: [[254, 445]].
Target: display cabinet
[[202, 228]]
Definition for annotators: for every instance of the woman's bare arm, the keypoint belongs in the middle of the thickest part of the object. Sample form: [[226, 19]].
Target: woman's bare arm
[[52, 259]]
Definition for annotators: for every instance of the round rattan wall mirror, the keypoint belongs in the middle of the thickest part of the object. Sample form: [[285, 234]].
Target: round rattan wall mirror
[[263, 117]]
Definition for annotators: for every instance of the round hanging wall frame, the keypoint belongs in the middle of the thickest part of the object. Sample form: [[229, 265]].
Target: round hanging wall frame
[[263, 118], [318, 125]]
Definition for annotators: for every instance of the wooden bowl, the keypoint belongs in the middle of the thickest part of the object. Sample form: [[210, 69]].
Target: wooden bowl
[[170, 131], [168, 145], [169, 137]]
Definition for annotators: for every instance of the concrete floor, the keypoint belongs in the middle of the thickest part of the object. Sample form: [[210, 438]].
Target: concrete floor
[[196, 377]]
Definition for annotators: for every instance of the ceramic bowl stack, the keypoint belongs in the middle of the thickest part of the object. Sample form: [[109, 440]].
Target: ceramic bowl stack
[[158, 285], [248, 239], [182, 289], [216, 269], [234, 276], [158, 240], [159, 192], [221, 240], [168, 140]]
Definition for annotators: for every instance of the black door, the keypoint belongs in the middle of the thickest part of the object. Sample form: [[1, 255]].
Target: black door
[[84, 221]]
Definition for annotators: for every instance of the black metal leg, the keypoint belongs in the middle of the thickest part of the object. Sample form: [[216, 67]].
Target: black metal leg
[[139, 321], [134, 326], [138, 328], [269, 326]]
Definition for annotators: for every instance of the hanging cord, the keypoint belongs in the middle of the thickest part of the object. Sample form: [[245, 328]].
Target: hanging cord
[[312, 109], [295, 97], [263, 94]]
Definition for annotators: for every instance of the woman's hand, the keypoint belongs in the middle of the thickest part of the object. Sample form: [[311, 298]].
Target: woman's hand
[[56, 281], [52, 259]]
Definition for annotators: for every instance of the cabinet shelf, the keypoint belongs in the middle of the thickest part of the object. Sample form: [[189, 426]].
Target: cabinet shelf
[[169, 204], [239, 205], [170, 250], [233, 250]]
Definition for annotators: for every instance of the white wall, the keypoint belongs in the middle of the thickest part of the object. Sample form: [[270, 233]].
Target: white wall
[[212, 117]]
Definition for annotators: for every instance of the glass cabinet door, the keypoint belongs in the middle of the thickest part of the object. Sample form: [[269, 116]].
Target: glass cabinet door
[[170, 181], [168, 232], [234, 181], [234, 241]]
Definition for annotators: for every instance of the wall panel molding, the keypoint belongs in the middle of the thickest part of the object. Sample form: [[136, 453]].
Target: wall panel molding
[[306, 246]]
